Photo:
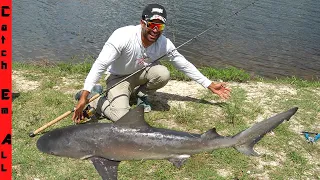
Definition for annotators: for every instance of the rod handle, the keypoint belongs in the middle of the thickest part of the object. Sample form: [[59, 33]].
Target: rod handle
[[32, 134]]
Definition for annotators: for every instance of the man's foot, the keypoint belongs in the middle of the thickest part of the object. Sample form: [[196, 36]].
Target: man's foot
[[143, 101], [97, 89]]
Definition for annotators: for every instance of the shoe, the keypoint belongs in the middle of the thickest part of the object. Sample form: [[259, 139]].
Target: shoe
[[143, 101], [97, 89]]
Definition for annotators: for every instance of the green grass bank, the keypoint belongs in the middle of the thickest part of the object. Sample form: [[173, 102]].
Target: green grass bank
[[47, 89]]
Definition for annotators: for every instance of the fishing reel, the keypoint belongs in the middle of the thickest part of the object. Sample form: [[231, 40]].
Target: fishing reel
[[88, 114], [309, 138]]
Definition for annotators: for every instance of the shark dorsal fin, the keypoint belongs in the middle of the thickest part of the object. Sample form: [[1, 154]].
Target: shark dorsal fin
[[133, 119], [210, 134]]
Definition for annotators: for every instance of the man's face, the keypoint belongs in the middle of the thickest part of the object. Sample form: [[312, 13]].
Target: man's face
[[152, 30]]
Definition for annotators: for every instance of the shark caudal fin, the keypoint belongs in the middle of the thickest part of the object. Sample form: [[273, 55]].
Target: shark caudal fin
[[249, 137]]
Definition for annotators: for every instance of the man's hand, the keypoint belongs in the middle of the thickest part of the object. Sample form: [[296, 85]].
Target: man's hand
[[78, 111], [220, 89]]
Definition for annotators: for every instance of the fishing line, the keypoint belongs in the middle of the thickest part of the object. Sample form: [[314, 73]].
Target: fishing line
[[32, 134], [206, 30], [216, 25]]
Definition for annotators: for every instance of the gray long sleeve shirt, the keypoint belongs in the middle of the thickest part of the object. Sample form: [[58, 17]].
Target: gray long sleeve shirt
[[124, 54]]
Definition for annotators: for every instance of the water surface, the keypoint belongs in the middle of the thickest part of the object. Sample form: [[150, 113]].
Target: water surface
[[271, 38]]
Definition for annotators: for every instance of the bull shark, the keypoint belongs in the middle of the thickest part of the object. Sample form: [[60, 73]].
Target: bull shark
[[132, 138]]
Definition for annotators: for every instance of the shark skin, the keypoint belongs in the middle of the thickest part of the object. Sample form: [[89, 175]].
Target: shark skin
[[131, 138]]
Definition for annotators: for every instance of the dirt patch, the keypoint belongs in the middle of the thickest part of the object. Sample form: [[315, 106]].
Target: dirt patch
[[224, 173], [259, 92], [65, 85], [20, 83], [177, 93]]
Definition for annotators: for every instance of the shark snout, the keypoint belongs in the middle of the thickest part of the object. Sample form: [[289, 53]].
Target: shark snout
[[44, 145], [59, 144]]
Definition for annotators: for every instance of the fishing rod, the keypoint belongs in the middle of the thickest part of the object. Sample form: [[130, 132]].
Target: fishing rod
[[32, 134]]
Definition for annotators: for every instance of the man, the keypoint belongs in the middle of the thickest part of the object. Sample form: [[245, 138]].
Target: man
[[129, 49]]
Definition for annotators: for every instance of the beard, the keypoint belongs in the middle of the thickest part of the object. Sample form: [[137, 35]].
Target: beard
[[150, 36]]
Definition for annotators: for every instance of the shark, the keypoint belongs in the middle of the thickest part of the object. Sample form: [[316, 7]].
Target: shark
[[132, 138]]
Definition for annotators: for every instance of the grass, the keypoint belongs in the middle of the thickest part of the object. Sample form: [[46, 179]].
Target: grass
[[285, 155], [226, 74]]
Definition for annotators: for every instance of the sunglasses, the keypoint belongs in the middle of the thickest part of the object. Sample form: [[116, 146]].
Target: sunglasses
[[152, 25]]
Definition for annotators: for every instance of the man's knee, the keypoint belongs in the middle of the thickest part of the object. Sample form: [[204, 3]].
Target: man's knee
[[159, 72], [116, 113], [113, 111]]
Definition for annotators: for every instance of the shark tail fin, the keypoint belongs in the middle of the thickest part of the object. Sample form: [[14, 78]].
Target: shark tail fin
[[249, 137]]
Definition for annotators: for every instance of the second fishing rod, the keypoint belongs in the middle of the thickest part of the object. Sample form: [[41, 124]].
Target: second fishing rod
[[32, 134]]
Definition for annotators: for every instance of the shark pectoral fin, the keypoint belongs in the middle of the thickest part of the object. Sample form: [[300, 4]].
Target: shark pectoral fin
[[107, 169], [179, 161], [247, 149]]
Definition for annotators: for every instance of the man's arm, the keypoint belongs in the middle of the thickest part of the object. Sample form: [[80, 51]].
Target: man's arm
[[108, 54], [180, 62]]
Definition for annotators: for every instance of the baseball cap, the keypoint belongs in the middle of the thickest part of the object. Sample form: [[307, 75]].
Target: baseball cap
[[154, 11]]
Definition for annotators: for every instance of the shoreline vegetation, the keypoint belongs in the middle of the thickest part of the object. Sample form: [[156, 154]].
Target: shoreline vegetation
[[46, 90], [222, 74]]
